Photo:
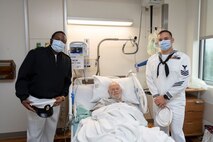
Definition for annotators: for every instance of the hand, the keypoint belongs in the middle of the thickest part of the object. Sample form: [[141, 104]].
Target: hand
[[59, 100], [26, 104], [160, 101]]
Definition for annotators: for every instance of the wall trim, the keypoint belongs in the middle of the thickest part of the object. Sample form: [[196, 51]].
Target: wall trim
[[13, 135]]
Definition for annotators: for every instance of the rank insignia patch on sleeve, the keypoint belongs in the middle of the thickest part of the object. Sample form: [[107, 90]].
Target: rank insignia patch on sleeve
[[184, 72]]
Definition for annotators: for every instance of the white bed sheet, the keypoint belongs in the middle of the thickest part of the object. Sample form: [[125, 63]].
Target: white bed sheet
[[118, 122]]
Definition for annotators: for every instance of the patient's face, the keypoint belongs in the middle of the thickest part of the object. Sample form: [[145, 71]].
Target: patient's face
[[115, 91]]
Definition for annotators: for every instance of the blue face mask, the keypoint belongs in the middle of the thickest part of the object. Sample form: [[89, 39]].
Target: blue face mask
[[165, 44], [57, 45]]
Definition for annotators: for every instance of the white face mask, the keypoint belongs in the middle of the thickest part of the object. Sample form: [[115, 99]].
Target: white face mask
[[57, 45]]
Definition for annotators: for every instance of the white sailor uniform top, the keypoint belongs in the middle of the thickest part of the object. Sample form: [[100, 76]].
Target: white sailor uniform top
[[172, 84]]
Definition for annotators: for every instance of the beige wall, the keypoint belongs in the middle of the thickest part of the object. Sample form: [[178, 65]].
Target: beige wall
[[117, 9], [182, 22], [14, 45]]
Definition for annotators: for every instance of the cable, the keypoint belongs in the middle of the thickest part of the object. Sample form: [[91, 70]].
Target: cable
[[139, 33]]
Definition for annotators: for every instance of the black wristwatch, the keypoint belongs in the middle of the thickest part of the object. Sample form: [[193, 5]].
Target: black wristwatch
[[166, 97]]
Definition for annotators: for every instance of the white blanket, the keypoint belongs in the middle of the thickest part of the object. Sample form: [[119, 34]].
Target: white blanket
[[118, 122]]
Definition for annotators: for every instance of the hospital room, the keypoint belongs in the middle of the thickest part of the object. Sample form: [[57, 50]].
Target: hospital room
[[121, 71]]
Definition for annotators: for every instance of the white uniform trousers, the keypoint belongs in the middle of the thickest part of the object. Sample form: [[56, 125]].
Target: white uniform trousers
[[176, 126], [42, 129]]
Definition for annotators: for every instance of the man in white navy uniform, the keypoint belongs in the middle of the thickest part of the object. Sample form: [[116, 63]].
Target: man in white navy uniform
[[167, 76]]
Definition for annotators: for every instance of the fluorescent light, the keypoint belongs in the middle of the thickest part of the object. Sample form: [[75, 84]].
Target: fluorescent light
[[101, 22]]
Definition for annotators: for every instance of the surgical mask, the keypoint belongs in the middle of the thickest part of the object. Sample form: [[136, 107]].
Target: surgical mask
[[57, 45], [165, 44]]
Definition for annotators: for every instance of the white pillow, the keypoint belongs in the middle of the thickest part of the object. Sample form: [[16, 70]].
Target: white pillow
[[101, 84]]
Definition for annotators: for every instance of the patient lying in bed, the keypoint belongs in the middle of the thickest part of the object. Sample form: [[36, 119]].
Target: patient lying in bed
[[115, 96], [115, 121]]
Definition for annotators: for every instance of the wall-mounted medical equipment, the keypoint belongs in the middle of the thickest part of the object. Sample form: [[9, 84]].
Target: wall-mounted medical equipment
[[78, 53], [132, 40], [153, 47]]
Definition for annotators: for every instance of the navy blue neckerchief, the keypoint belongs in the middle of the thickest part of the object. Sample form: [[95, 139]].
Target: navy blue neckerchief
[[164, 63]]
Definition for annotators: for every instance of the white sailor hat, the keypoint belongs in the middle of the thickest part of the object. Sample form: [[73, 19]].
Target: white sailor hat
[[43, 107], [164, 116]]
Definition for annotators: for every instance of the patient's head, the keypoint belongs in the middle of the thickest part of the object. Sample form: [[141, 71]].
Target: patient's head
[[115, 91]]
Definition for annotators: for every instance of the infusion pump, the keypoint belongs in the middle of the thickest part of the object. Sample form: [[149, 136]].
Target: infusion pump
[[78, 54]]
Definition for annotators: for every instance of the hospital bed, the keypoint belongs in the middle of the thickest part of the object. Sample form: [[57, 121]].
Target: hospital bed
[[131, 124]]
